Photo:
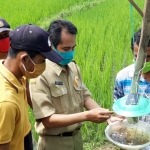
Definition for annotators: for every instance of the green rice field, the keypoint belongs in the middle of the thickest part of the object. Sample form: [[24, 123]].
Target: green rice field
[[103, 43]]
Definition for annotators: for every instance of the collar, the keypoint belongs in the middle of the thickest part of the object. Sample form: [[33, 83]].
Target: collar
[[12, 79], [55, 67]]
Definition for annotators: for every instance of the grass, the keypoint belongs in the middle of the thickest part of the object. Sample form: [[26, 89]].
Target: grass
[[103, 44], [25, 11]]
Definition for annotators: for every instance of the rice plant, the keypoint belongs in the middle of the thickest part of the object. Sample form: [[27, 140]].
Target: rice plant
[[103, 43]]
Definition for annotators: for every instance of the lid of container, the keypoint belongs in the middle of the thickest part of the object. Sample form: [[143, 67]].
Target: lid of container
[[141, 108]]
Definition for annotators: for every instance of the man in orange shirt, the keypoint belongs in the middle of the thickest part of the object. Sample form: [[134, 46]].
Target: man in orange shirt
[[25, 60]]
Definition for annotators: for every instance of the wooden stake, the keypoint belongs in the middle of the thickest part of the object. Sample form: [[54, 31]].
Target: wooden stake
[[136, 7], [145, 36]]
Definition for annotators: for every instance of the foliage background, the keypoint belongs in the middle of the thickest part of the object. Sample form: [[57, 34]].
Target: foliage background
[[103, 43]]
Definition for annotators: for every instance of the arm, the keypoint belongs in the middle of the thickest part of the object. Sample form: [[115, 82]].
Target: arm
[[57, 120], [7, 123], [96, 114], [90, 104], [28, 94], [4, 146]]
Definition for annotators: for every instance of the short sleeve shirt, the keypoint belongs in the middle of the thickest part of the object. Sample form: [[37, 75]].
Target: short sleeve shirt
[[123, 86], [14, 122], [58, 91]]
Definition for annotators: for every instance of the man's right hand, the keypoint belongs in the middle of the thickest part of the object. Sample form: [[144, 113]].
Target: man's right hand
[[98, 115]]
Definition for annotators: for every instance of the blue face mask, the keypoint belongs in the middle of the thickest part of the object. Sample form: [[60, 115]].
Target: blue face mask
[[67, 56]]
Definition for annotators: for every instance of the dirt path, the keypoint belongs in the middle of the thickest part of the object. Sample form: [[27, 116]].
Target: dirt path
[[108, 146]]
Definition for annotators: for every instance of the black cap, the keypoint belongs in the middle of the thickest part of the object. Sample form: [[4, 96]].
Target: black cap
[[4, 26], [33, 38]]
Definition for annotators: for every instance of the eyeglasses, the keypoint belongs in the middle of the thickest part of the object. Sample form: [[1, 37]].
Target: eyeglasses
[[4, 34]]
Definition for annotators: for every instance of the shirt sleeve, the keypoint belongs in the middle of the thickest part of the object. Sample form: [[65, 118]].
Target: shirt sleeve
[[118, 90], [8, 113], [41, 97]]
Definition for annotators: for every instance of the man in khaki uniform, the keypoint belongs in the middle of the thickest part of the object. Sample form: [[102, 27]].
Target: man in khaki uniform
[[59, 95]]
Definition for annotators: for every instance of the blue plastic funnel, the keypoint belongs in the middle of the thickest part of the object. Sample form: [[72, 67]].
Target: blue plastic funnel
[[141, 108]]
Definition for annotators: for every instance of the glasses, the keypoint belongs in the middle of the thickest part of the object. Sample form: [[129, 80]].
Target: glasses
[[4, 34]]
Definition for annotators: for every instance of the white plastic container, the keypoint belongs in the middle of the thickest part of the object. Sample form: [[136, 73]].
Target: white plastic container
[[140, 127]]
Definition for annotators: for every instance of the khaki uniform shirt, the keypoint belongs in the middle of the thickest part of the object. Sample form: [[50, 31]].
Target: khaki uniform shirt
[[58, 91]]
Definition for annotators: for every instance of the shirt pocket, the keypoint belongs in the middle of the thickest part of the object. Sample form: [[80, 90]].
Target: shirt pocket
[[78, 92], [59, 96]]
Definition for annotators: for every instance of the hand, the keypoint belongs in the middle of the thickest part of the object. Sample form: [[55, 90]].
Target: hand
[[98, 115], [115, 118]]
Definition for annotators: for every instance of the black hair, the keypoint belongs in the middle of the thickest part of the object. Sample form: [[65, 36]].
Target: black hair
[[14, 52], [136, 39], [55, 29]]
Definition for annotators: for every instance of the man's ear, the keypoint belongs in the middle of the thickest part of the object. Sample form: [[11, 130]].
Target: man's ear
[[50, 44], [24, 58]]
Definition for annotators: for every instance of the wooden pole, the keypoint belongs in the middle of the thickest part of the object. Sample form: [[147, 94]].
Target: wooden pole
[[136, 7], [145, 36]]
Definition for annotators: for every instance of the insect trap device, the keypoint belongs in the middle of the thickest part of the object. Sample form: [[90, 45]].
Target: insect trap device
[[132, 134]]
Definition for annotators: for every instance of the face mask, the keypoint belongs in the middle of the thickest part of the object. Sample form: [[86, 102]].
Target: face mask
[[146, 67], [67, 56], [4, 45], [38, 70]]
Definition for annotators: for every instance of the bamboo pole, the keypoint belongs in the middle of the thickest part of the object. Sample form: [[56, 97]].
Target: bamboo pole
[[145, 36], [136, 7]]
